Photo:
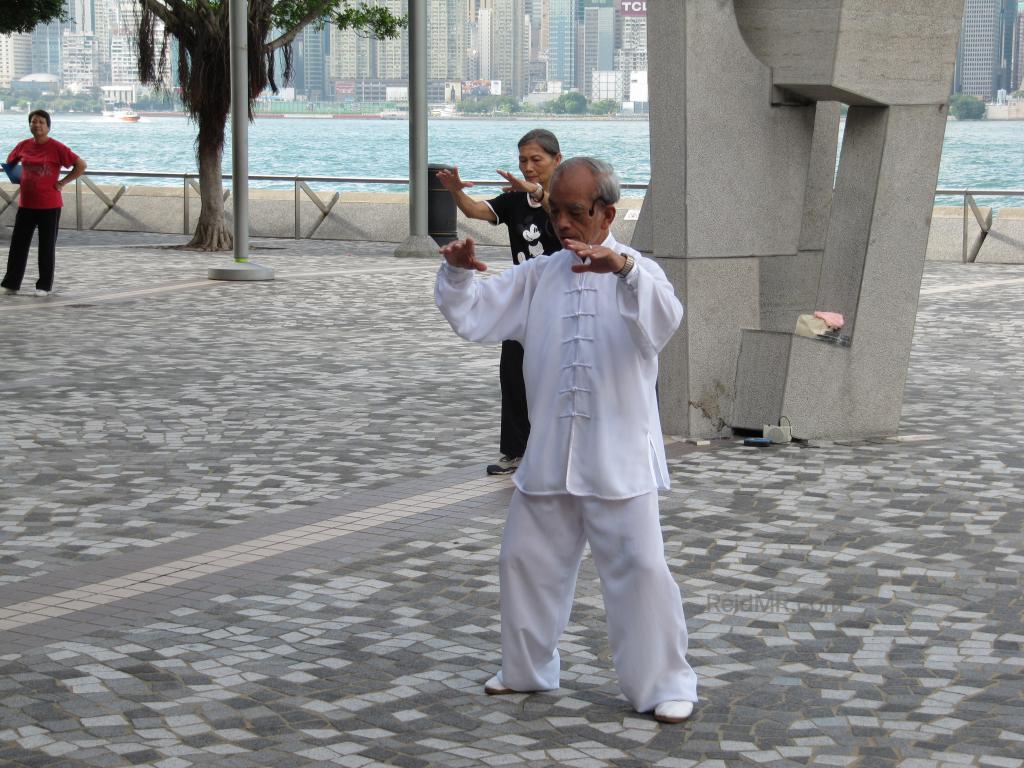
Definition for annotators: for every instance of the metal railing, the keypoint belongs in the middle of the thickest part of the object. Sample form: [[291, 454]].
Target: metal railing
[[190, 181], [971, 205], [300, 185]]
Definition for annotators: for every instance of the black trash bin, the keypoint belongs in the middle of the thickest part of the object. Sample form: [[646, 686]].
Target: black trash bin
[[440, 207]]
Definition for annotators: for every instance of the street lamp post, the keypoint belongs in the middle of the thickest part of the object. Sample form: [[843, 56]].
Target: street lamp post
[[419, 243], [242, 269]]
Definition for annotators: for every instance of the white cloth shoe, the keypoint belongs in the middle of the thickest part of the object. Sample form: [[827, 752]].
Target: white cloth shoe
[[494, 687], [41, 292], [673, 711]]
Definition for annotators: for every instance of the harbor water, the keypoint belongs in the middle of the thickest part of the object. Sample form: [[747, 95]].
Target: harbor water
[[975, 154]]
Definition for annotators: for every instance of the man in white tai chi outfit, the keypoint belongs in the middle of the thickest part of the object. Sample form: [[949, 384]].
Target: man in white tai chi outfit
[[592, 318]]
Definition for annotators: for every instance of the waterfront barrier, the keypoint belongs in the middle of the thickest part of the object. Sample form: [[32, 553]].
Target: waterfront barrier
[[966, 233], [299, 213], [954, 237]]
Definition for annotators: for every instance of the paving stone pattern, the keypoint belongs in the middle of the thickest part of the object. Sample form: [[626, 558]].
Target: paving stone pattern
[[849, 603]]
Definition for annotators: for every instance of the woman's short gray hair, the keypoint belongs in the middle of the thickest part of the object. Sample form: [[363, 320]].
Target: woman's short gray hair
[[603, 173], [544, 139]]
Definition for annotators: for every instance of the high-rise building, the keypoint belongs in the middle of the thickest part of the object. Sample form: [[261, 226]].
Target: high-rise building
[[484, 36], [15, 57], [79, 61], [986, 48], [83, 16], [1018, 50], [448, 39], [351, 55], [631, 55], [562, 41], [507, 43], [46, 48], [598, 49], [314, 48], [392, 59], [124, 60], [1008, 32]]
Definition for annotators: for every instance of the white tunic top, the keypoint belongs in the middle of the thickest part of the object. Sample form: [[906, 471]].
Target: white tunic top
[[591, 363]]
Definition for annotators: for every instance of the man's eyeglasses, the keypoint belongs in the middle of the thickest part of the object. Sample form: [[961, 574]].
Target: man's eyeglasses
[[593, 204], [577, 211]]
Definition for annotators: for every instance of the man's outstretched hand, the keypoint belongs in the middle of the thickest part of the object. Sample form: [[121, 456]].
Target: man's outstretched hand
[[596, 258], [462, 253]]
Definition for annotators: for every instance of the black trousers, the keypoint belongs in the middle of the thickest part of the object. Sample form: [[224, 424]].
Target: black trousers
[[515, 418], [27, 221]]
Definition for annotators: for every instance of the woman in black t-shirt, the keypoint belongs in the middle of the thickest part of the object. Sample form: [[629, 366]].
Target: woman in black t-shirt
[[522, 208]]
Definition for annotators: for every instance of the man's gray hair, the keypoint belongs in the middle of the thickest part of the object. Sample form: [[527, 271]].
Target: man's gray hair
[[603, 173]]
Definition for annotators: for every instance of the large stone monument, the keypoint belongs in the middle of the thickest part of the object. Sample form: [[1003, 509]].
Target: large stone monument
[[753, 224]]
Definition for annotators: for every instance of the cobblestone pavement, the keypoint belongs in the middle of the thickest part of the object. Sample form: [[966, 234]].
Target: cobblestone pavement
[[247, 525]]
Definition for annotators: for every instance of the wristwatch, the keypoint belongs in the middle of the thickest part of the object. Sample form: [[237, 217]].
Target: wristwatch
[[627, 267]]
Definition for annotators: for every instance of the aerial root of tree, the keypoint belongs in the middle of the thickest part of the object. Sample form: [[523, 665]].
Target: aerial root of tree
[[210, 237]]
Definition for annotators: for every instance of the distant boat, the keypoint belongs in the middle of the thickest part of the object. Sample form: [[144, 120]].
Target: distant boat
[[123, 115]]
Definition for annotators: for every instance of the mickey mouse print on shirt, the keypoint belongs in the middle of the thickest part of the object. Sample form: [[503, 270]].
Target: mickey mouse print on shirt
[[532, 238]]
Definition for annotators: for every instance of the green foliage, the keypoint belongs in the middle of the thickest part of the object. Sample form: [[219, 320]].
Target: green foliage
[[82, 102], [24, 15], [374, 20], [964, 107], [203, 68], [604, 107], [567, 104], [481, 105]]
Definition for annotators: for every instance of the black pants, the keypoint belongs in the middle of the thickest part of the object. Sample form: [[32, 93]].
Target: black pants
[[515, 419], [26, 222]]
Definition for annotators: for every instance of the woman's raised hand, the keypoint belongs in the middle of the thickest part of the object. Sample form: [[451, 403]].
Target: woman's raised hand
[[450, 179], [515, 184]]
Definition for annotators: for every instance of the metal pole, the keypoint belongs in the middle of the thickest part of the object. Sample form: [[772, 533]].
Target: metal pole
[[419, 242], [243, 269], [238, 18]]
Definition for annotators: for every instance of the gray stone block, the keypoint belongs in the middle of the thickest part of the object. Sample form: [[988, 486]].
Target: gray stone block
[[742, 195], [1005, 242], [831, 390], [870, 52], [730, 178], [821, 174], [946, 236], [788, 288], [759, 398]]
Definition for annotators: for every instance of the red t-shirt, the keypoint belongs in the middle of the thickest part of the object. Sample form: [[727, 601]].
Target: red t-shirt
[[40, 169]]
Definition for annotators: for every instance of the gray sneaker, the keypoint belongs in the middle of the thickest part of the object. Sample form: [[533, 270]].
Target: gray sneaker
[[506, 465]]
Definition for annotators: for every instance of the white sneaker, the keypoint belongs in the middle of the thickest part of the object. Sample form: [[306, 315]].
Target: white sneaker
[[673, 711], [41, 292]]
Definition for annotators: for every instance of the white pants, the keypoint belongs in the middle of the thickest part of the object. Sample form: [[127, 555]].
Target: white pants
[[540, 556]]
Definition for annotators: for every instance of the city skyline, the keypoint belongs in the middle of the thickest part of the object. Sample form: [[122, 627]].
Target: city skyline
[[531, 50], [523, 49]]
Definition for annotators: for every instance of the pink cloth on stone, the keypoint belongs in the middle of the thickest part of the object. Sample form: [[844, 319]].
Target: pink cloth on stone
[[832, 319]]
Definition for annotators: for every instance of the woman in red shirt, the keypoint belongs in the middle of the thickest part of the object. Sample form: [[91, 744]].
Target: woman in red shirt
[[39, 202]]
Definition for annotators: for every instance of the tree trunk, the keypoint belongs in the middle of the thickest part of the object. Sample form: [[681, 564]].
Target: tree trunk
[[212, 232]]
